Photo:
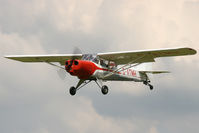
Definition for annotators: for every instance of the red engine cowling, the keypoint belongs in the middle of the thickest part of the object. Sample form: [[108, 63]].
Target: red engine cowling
[[81, 68]]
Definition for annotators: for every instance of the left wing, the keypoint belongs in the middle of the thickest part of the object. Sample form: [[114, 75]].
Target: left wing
[[60, 58], [142, 56]]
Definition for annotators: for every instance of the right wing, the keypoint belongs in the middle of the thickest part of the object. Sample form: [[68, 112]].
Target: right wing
[[60, 58]]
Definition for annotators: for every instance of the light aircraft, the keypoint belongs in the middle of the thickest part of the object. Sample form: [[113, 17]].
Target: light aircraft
[[101, 67]]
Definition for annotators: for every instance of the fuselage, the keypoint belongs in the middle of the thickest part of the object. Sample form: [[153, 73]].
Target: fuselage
[[89, 70]]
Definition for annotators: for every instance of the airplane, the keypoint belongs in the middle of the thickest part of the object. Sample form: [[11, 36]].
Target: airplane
[[110, 66]]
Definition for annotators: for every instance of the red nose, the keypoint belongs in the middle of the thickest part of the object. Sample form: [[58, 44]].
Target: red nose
[[80, 68]]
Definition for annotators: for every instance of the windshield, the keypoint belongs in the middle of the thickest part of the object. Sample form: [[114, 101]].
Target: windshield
[[102, 62], [90, 57]]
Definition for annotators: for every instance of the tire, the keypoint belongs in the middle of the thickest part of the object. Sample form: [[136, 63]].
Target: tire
[[104, 89], [72, 91], [151, 87]]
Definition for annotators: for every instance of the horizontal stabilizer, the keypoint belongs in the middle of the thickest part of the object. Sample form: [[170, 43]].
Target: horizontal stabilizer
[[154, 72]]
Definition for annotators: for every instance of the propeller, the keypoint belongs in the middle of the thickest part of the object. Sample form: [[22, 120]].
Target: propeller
[[61, 72], [75, 51]]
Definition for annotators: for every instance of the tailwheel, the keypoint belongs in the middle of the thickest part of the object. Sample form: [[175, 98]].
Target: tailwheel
[[104, 89], [72, 90], [151, 87], [147, 83]]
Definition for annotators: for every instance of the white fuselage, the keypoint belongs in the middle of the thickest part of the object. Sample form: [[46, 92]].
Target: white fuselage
[[123, 75]]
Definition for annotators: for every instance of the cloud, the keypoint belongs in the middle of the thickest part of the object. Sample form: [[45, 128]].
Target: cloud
[[34, 99], [15, 44], [74, 15], [153, 130]]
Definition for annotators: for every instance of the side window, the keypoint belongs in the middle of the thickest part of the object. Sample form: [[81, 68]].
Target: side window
[[112, 65], [102, 62], [96, 60]]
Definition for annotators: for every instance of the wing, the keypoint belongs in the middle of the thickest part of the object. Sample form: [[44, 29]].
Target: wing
[[142, 56], [60, 58]]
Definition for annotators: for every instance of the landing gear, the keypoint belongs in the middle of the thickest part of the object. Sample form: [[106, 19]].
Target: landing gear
[[72, 91], [151, 87], [104, 89], [147, 83], [80, 84]]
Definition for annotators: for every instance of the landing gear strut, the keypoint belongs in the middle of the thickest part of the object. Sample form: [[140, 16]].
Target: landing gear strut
[[104, 88], [80, 84], [147, 83]]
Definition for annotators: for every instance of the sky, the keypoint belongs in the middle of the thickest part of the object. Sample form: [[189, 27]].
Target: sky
[[33, 99]]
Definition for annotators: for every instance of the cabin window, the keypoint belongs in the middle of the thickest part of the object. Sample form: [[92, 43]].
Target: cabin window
[[104, 63]]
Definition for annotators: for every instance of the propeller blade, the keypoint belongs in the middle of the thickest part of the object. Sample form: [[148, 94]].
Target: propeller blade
[[76, 51], [55, 65], [61, 73]]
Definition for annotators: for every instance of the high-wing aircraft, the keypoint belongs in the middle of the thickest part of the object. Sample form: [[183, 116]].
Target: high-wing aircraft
[[111, 66]]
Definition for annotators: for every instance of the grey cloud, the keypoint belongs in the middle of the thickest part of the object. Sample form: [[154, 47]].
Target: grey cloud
[[34, 99]]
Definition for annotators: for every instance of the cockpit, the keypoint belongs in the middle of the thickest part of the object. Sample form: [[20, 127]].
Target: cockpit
[[91, 57], [97, 60]]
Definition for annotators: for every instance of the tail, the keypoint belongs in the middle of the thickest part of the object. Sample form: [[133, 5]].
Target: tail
[[144, 74], [145, 69]]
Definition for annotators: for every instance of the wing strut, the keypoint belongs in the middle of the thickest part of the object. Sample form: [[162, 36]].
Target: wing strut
[[128, 64], [131, 62], [55, 65]]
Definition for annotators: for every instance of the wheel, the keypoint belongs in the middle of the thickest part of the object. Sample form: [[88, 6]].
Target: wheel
[[151, 87], [104, 89], [72, 91]]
